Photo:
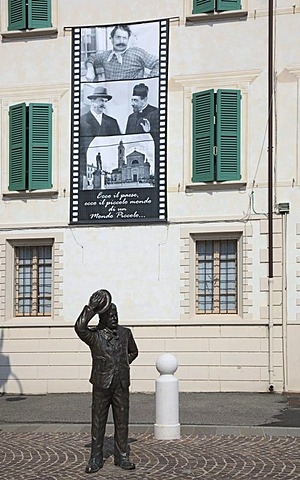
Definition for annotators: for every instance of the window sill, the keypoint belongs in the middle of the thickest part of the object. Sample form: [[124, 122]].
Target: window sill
[[217, 17], [30, 193], [200, 187], [28, 34]]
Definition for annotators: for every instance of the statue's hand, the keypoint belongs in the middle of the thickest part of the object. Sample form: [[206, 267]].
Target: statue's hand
[[95, 301], [100, 301]]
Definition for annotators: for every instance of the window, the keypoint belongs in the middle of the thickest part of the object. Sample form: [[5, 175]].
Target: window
[[30, 146], [29, 14], [88, 46], [33, 280], [216, 276], [207, 6], [216, 135]]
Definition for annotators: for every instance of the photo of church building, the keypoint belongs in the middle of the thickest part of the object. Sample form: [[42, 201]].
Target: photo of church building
[[132, 168]]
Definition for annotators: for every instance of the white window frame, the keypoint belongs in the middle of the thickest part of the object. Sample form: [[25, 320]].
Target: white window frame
[[34, 281], [29, 94], [7, 293], [215, 266], [189, 237], [238, 80], [194, 237]]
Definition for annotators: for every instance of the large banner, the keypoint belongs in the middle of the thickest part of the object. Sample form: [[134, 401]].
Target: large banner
[[119, 123]]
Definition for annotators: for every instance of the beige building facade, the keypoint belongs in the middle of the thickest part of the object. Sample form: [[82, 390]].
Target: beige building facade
[[196, 285]]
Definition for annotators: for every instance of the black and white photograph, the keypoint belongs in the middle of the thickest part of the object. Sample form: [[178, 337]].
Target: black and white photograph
[[108, 108], [118, 163], [120, 52]]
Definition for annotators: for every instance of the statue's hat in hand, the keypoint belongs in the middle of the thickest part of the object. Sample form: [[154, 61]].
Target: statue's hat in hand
[[103, 300]]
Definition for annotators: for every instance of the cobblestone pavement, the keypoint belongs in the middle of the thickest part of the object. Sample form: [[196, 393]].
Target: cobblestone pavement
[[63, 456]]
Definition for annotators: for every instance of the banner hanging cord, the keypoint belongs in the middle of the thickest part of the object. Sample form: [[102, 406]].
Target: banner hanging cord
[[70, 28]]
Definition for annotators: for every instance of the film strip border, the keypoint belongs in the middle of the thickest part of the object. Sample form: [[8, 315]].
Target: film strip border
[[75, 121], [163, 93]]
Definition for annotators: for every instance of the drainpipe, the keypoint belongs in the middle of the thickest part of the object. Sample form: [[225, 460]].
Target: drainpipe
[[283, 210], [284, 305], [271, 333], [270, 193]]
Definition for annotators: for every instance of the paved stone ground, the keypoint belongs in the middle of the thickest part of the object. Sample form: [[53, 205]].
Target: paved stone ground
[[63, 456], [224, 436]]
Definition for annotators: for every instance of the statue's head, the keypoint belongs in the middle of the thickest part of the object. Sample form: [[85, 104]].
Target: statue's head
[[109, 318]]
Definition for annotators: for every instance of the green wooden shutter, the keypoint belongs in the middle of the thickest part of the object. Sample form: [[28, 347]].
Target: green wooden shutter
[[223, 5], [40, 146], [203, 136], [203, 6], [39, 13], [16, 15], [17, 147], [228, 134]]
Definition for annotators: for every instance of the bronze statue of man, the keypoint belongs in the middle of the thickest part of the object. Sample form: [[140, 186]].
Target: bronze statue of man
[[113, 349]]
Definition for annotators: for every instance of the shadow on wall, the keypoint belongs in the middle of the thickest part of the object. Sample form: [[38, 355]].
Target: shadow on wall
[[5, 369]]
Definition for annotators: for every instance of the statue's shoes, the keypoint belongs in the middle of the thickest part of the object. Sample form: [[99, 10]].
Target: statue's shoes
[[125, 464], [93, 466]]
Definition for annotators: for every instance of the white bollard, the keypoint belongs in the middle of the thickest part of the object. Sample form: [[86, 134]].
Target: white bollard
[[167, 426]]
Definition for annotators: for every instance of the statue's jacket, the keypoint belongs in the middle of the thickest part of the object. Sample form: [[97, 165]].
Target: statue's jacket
[[111, 353]]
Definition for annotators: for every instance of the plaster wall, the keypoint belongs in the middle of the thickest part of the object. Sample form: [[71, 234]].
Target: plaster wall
[[149, 268]]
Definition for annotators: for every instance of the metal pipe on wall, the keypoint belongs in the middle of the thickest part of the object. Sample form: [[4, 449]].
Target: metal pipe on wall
[[271, 336], [270, 191], [270, 138], [284, 303]]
